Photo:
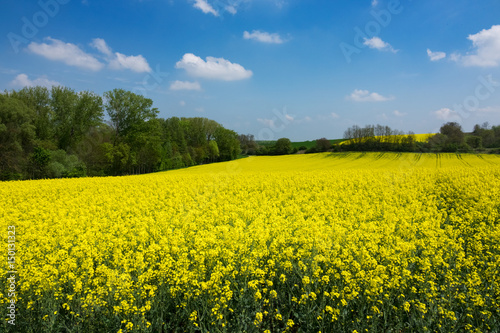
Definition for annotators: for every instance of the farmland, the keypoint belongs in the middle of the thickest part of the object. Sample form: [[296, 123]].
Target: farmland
[[299, 243]]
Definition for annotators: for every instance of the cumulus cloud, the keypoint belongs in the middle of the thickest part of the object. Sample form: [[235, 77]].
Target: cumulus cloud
[[68, 53], [205, 7], [137, 64], [185, 85], [101, 46], [72, 55], [379, 44], [359, 95], [119, 61], [486, 44], [263, 37], [435, 56], [213, 68], [399, 114], [447, 114], [22, 80]]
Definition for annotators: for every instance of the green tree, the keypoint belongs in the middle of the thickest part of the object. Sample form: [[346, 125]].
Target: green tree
[[213, 150], [323, 144], [74, 115], [283, 146], [134, 122], [129, 113], [38, 100], [228, 143], [16, 136], [453, 132]]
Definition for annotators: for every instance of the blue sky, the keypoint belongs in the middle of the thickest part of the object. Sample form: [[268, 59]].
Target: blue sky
[[301, 69]]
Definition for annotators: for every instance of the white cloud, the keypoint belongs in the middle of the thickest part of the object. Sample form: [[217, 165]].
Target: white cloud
[[119, 61], [446, 114], [68, 53], [182, 103], [399, 114], [263, 37], [185, 85], [365, 96], [374, 3], [379, 44], [200, 110], [435, 56], [205, 7], [22, 80], [137, 64], [487, 49], [72, 55], [101, 45], [213, 68], [334, 115], [231, 9]]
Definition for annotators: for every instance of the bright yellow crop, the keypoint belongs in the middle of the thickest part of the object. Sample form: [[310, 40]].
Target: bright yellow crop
[[323, 242]]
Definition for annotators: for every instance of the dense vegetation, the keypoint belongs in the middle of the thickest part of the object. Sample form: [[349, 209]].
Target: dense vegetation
[[62, 133]]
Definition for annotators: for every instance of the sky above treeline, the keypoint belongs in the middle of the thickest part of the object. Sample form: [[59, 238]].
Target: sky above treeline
[[301, 69]]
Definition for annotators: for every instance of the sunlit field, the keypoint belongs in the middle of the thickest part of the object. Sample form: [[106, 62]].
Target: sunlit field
[[365, 242]]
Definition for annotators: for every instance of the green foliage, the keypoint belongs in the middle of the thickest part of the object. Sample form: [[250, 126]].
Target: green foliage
[[323, 144], [63, 165], [228, 143], [38, 162], [17, 134], [283, 146]]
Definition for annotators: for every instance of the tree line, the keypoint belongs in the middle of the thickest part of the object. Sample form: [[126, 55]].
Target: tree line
[[451, 138], [57, 132]]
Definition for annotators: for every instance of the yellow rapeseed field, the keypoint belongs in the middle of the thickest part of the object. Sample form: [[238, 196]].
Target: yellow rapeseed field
[[348, 242]]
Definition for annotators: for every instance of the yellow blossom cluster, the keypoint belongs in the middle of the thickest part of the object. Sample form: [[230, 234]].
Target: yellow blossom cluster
[[321, 242]]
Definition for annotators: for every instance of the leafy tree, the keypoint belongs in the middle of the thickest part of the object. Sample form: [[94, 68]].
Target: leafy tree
[[62, 164], [38, 162], [475, 142], [228, 144], [129, 113], [283, 146], [74, 115], [323, 144], [453, 132], [16, 136], [248, 144], [38, 100], [137, 133], [213, 150]]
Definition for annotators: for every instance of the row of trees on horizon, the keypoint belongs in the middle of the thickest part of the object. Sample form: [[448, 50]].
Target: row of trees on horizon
[[57, 132]]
